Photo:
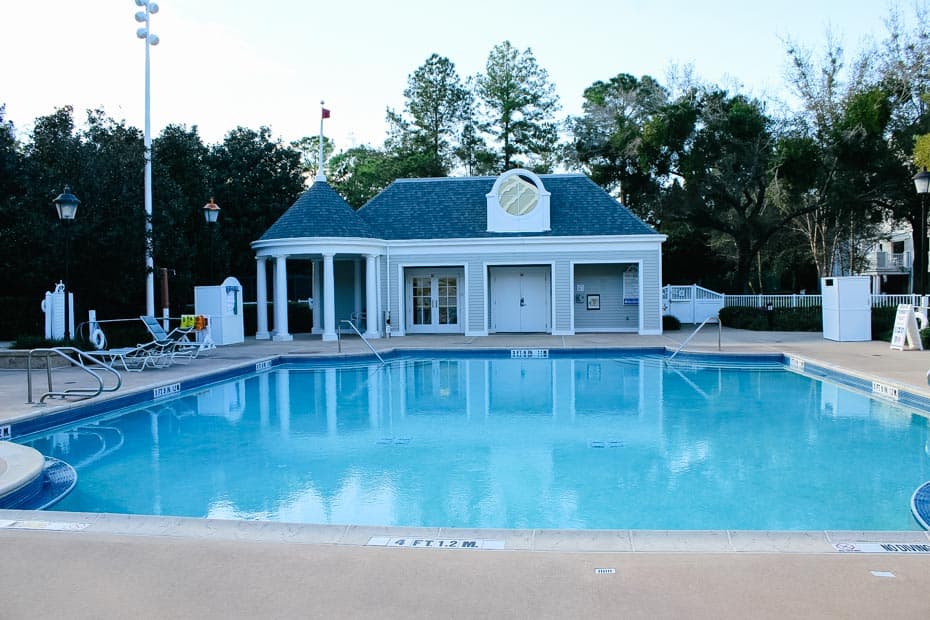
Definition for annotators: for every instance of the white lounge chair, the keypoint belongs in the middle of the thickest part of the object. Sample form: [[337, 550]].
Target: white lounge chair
[[135, 359], [178, 340]]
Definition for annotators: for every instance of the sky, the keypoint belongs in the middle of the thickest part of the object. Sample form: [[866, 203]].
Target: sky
[[220, 65]]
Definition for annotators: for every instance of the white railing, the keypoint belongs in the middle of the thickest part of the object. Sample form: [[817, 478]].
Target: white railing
[[810, 301], [900, 261], [776, 301]]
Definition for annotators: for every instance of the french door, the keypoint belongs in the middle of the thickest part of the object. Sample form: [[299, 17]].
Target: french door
[[433, 301]]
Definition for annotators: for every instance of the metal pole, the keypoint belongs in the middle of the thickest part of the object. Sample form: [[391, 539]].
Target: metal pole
[[149, 258], [67, 279], [923, 244]]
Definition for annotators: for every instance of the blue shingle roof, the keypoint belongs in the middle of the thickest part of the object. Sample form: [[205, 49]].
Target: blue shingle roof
[[451, 208], [318, 212], [456, 208]]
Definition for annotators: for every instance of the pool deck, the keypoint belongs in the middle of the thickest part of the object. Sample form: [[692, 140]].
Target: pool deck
[[172, 567]]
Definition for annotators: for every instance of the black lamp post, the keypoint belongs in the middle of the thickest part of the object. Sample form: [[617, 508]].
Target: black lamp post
[[66, 205], [211, 213], [922, 183]]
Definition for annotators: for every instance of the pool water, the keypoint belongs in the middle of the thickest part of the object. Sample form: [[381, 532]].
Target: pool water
[[589, 442]]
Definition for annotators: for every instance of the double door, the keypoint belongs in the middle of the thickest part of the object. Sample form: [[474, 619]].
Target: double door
[[433, 301], [520, 299]]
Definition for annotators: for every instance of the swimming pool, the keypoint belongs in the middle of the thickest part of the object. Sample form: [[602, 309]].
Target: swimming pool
[[602, 440]]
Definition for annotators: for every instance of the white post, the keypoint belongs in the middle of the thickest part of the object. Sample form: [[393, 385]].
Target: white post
[[280, 301], [329, 298], [371, 298], [317, 299], [261, 299]]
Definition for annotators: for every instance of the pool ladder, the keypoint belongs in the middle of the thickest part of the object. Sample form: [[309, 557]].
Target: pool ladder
[[356, 330], [715, 319], [77, 358]]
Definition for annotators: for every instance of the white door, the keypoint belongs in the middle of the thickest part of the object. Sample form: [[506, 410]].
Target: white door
[[433, 302], [520, 300]]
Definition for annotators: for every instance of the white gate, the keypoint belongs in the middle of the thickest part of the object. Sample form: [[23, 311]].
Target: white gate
[[691, 304]]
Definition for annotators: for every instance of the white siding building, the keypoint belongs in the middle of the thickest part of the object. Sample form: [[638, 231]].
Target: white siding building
[[476, 255]]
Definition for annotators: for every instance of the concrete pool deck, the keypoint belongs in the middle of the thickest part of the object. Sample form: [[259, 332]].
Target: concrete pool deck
[[162, 566]]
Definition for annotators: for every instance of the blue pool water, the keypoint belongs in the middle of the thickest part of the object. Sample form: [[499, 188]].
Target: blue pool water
[[606, 441]]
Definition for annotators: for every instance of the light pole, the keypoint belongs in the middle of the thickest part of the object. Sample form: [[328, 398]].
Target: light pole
[[211, 213], [922, 184], [150, 39], [66, 205]]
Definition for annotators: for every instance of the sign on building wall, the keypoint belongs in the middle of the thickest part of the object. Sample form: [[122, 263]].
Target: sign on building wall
[[631, 286]]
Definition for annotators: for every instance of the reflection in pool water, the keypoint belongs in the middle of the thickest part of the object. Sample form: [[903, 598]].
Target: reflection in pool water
[[607, 442]]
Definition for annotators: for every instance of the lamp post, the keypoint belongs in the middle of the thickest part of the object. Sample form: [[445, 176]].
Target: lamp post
[[922, 184], [150, 39], [66, 205], [211, 213]]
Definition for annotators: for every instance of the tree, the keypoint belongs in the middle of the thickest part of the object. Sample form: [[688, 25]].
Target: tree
[[256, 178], [519, 103], [714, 157], [841, 151], [902, 60], [606, 140], [437, 107], [309, 149], [360, 173], [184, 243]]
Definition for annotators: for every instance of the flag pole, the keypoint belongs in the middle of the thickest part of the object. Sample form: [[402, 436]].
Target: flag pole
[[320, 175]]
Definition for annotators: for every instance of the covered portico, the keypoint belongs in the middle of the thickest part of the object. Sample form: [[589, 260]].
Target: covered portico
[[323, 255], [322, 229]]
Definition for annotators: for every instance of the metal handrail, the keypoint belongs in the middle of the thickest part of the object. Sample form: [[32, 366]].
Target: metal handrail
[[694, 333], [365, 340], [77, 358]]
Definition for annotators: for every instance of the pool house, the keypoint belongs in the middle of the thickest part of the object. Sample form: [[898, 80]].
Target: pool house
[[517, 253]]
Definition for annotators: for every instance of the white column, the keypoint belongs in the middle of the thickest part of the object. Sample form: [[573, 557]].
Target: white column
[[317, 299], [280, 300], [372, 324], [329, 298], [261, 299], [357, 284]]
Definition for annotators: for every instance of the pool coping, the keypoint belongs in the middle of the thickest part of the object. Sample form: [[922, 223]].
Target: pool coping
[[542, 540], [538, 540]]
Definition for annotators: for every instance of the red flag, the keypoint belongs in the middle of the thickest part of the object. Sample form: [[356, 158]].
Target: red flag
[[325, 113]]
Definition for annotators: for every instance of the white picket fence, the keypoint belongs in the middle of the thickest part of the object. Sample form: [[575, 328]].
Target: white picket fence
[[810, 301], [693, 303]]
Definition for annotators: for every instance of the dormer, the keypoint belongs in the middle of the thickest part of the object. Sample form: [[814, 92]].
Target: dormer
[[518, 202]]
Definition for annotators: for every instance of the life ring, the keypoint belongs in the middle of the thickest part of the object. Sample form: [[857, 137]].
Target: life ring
[[98, 339]]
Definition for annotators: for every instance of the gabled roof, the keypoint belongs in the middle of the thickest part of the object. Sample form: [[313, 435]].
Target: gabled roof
[[456, 208], [318, 212]]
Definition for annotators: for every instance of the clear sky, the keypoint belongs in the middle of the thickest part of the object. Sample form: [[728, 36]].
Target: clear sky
[[223, 64]]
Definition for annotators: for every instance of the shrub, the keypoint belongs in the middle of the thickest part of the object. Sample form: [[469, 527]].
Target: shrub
[[742, 317], [883, 322], [925, 337], [797, 319], [670, 323]]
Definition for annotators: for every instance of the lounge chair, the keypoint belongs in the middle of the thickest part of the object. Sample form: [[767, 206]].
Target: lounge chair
[[135, 359], [177, 341]]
